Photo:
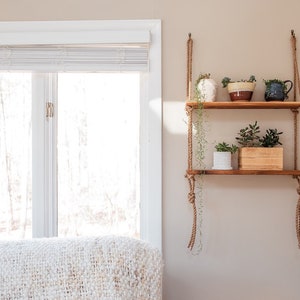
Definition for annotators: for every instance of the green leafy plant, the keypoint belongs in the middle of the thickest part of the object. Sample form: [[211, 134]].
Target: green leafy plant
[[249, 137], [200, 77], [270, 81], [224, 147], [227, 80], [271, 138]]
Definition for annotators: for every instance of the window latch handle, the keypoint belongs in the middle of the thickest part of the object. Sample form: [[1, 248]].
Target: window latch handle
[[49, 110]]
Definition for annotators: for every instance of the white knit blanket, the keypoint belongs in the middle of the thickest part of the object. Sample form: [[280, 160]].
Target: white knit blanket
[[107, 268]]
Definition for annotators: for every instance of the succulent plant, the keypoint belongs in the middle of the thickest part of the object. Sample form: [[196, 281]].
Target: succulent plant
[[271, 138], [224, 147], [227, 80], [248, 137]]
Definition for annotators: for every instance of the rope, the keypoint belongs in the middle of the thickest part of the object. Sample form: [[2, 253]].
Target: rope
[[189, 111], [295, 63], [298, 213], [189, 68], [192, 198], [295, 112], [298, 220]]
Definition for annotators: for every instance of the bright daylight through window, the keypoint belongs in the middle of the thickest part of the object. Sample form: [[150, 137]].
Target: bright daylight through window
[[80, 130], [98, 154], [97, 151], [15, 155]]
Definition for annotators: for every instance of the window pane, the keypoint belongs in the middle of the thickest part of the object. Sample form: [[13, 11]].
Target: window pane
[[98, 154], [15, 155]]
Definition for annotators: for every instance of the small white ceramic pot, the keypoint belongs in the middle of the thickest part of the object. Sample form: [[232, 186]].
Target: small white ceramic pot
[[222, 161]]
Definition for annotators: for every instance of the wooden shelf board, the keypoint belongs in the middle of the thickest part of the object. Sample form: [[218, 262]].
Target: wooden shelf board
[[247, 105], [244, 172]]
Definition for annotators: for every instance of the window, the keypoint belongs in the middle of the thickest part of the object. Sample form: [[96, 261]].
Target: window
[[98, 118]]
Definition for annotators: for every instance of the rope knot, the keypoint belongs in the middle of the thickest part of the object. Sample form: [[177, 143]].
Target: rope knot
[[192, 198]]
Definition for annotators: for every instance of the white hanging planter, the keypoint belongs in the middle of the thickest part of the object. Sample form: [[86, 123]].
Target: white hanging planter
[[222, 161]]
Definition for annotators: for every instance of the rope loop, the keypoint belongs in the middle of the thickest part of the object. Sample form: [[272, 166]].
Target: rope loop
[[192, 198]]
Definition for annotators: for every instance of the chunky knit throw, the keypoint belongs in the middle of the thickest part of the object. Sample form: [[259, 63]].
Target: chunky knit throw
[[107, 268]]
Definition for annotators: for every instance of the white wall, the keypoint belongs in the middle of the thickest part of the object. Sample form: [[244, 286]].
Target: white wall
[[250, 248]]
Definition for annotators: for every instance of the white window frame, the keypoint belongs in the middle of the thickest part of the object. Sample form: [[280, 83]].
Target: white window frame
[[119, 31]]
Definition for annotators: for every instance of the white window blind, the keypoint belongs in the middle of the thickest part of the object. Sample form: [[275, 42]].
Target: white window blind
[[85, 46], [64, 58]]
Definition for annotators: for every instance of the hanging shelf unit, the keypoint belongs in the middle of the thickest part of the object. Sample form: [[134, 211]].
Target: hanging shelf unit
[[191, 173]]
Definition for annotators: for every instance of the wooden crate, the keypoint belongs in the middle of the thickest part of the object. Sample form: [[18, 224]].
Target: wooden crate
[[252, 158]]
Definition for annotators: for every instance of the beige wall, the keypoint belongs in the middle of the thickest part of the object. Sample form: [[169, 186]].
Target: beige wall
[[250, 249]]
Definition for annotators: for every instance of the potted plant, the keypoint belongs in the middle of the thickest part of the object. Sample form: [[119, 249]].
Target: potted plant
[[277, 90], [205, 88], [222, 156], [259, 153], [248, 136], [241, 90]]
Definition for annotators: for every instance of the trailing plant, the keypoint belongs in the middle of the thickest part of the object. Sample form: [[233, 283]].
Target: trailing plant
[[199, 125], [200, 150], [224, 147], [249, 137], [198, 94], [200, 135], [227, 80]]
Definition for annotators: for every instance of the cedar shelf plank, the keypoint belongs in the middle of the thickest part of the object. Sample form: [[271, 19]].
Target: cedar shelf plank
[[244, 172], [247, 105]]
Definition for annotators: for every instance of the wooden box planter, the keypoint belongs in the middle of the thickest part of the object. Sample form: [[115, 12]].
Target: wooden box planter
[[252, 158]]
